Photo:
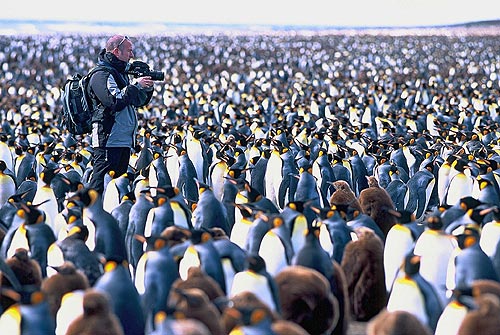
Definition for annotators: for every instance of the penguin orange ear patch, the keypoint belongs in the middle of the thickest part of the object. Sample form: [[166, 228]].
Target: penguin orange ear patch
[[257, 316], [469, 241], [205, 237], [36, 297], [159, 244], [233, 313], [277, 222], [21, 213], [160, 317]]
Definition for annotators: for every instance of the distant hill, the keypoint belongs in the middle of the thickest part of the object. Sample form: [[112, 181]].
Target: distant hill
[[35, 27]]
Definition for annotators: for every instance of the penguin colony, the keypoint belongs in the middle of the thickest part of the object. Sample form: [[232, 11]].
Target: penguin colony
[[281, 184]]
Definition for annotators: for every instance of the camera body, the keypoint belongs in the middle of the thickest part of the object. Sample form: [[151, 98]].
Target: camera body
[[141, 69]]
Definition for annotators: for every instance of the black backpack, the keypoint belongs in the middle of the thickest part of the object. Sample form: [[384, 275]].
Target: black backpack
[[77, 104]]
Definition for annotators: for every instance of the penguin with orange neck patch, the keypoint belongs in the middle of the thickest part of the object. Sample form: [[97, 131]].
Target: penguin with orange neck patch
[[33, 234], [202, 253], [124, 298]]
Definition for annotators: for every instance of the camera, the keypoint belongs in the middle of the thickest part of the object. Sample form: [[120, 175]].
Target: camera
[[141, 69]]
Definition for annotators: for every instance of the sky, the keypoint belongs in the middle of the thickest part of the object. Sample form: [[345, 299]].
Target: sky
[[338, 13]]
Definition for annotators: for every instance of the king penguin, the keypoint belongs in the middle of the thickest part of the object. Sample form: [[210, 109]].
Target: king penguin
[[125, 300], [209, 212], [137, 221], [202, 253], [255, 278], [7, 183], [109, 241], [156, 272], [33, 235]]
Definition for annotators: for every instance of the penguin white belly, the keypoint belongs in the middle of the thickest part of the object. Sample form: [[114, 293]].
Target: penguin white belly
[[149, 223], [490, 236], [406, 296], [7, 188], [180, 218], [325, 240], [398, 244], [299, 232], [435, 252], [71, 308], [55, 257], [172, 163], [50, 208], [239, 232], [217, 180], [19, 240], [10, 321], [229, 272], [460, 186], [273, 178], [195, 154], [273, 252], [190, 259], [140, 271], [247, 281], [6, 155], [111, 198], [450, 320]]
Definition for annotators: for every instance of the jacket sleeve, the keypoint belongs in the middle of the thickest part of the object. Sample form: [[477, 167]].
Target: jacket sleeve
[[112, 98]]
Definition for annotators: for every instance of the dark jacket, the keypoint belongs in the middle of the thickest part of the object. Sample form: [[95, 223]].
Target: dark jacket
[[114, 121]]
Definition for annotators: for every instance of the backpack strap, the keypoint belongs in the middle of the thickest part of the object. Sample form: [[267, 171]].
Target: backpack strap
[[118, 78]]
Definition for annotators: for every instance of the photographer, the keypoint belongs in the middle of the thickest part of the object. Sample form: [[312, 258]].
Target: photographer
[[114, 121]]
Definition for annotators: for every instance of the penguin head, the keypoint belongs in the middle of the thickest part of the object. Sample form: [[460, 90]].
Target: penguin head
[[28, 274], [434, 221], [31, 214], [246, 309], [402, 216], [152, 242], [86, 197], [199, 236], [79, 232], [168, 191], [175, 235], [255, 263], [49, 173], [72, 212], [469, 236], [411, 264], [469, 202], [3, 165], [296, 206], [202, 187]]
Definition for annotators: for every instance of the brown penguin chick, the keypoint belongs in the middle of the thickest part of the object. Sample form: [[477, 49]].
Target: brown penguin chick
[[363, 267], [344, 195], [397, 322], [67, 279], [196, 278], [485, 319], [483, 286], [27, 272], [175, 235], [97, 317], [193, 303], [376, 202], [342, 296], [284, 327], [307, 300]]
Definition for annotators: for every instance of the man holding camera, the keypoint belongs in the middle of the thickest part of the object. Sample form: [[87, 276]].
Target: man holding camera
[[114, 120]]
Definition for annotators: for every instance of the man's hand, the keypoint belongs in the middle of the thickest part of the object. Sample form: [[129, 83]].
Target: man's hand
[[145, 82]]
